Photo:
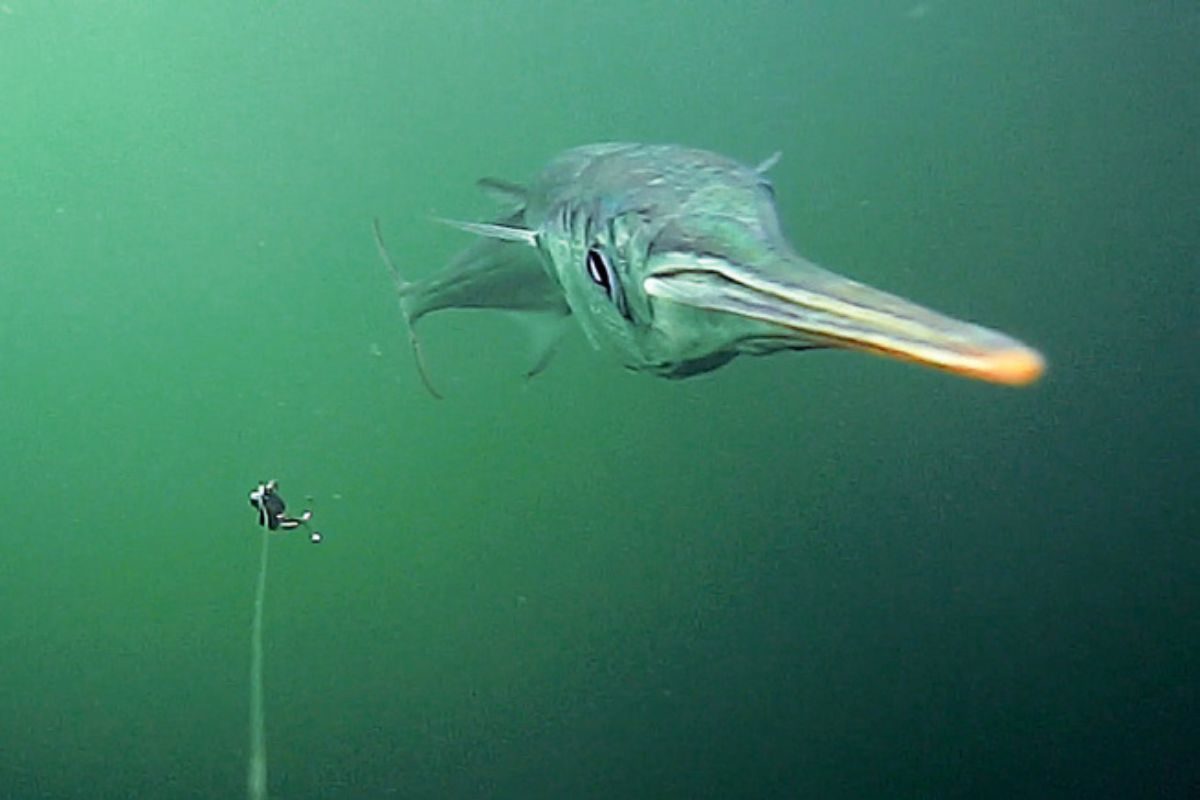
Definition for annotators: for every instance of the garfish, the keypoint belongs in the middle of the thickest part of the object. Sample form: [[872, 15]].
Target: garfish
[[673, 259]]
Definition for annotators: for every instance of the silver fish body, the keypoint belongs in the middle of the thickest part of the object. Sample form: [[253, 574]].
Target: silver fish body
[[674, 259]]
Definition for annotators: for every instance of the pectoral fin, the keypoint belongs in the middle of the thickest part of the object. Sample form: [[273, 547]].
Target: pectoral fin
[[545, 332], [403, 289], [494, 273]]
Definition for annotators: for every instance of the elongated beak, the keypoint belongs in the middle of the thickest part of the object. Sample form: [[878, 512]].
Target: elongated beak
[[805, 303]]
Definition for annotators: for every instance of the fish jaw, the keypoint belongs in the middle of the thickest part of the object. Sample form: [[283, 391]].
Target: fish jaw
[[786, 302]]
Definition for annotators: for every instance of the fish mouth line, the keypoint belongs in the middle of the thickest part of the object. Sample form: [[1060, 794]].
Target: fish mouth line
[[825, 309]]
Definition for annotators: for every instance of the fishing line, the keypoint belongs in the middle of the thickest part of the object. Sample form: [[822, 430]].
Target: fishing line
[[256, 776]]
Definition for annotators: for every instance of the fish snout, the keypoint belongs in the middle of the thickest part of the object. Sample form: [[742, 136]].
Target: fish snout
[[800, 304]]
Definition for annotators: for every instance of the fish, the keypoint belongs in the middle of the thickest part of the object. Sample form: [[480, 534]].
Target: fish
[[674, 260]]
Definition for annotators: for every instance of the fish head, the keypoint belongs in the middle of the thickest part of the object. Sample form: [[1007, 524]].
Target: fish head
[[679, 266]]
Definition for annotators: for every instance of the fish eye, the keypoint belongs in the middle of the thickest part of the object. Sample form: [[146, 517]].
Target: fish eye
[[598, 271], [601, 272]]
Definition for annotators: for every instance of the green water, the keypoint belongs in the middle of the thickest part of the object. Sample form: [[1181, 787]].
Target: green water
[[822, 575]]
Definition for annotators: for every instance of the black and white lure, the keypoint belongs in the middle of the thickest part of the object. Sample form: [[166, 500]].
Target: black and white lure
[[272, 511]]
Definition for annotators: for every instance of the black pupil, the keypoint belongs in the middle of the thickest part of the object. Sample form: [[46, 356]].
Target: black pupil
[[598, 270]]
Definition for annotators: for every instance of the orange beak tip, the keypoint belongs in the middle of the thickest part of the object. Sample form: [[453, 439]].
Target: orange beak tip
[[1017, 367]]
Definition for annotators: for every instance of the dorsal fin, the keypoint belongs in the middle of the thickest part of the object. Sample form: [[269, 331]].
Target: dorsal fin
[[504, 191], [769, 162], [492, 230]]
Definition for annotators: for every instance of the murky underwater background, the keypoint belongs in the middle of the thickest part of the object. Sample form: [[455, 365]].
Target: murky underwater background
[[817, 575]]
